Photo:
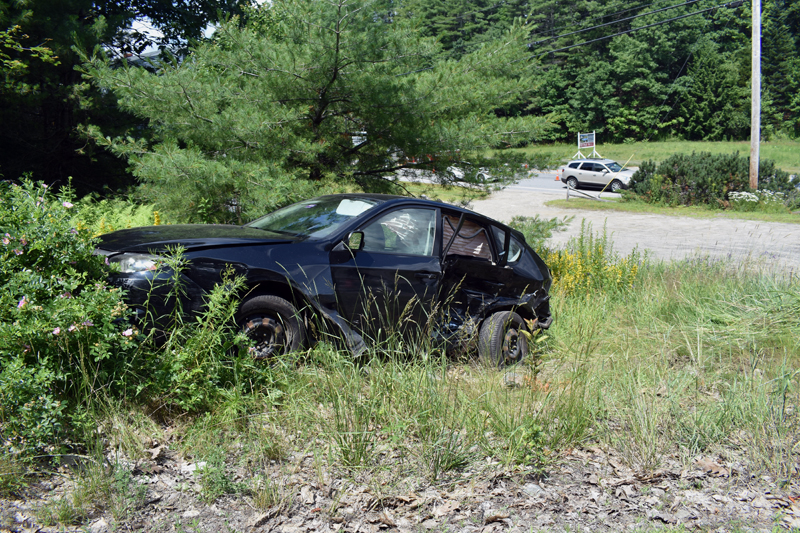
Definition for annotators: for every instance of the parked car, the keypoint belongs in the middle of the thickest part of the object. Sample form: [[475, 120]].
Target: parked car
[[355, 265], [596, 173], [482, 175]]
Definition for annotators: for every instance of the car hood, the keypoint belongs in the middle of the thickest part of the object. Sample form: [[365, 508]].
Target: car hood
[[625, 174], [190, 236]]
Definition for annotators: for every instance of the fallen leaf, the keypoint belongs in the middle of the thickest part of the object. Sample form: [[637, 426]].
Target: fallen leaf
[[493, 515], [712, 468]]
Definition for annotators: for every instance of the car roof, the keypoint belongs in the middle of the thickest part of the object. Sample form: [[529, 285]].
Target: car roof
[[399, 200], [593, 160]]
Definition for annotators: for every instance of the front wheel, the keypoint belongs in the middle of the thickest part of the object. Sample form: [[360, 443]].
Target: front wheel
[[572, 182], [273, 324], [616, 186], [501, 341]]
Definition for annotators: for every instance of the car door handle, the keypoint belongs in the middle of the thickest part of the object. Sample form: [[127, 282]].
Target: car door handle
[[426, 276]]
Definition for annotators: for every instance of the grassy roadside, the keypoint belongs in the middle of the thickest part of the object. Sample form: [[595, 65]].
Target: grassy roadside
[[694, 358], [783, 152], [679, 211], [655, 362]]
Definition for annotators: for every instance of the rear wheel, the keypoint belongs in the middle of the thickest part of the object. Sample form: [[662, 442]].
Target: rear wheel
[[572, 182], [501, 341], [273, 324], [616, 186]]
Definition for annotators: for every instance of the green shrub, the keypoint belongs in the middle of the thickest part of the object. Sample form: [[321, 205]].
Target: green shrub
[[537, 230], [704, 178], [106, 215], [60, 336]]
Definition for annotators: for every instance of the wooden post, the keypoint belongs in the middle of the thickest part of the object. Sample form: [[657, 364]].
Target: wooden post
[[755, 92]]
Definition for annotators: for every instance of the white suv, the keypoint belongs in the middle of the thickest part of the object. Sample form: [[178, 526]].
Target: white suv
[[597, 172]]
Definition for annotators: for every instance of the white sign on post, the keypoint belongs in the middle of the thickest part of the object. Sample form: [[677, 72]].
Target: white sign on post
[[586, 140]]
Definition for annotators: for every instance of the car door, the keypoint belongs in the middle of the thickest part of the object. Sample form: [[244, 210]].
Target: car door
[[587, 174], [471, 275], [391, 283]]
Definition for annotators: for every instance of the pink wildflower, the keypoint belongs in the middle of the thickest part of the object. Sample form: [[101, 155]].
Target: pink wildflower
[[17, 251], [22, 302], [72, 328], [56, 331], [128, 332], [67, 204], [5, 240]]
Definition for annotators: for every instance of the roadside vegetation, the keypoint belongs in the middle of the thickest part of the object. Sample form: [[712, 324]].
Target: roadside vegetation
[[653, 360], [782, 152]]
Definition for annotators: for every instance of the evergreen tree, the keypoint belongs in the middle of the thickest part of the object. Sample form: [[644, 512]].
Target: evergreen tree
[[313, 93], [40, 122], [714, 106]]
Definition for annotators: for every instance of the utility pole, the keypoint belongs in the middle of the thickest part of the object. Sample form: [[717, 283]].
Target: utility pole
[[755, 95]]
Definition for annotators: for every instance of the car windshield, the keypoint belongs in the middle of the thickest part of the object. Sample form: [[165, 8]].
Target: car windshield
[[314, 219], [614, 166]]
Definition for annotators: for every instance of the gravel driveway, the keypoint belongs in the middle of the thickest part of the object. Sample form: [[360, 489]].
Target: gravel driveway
[[665, 237]]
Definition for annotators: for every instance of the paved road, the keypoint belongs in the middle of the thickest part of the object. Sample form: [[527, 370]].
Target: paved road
[[767, 244]]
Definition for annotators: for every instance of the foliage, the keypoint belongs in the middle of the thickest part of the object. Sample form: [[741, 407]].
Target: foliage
[[15, 58], [329, 97], [537, 230], [105, 215], [44, 96], [200, 362], [589, 263], [66, 347], [58, 319], [760, 200], [704, 178]]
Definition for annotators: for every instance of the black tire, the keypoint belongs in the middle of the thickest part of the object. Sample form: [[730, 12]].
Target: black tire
[[273, 323], [500, 341], [572, 182], [616, 186]]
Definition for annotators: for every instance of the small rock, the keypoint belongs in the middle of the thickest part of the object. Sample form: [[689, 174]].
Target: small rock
[[99, 526], [532, 489], [761, 503], [684, 514], [191, 513], [430, 524]]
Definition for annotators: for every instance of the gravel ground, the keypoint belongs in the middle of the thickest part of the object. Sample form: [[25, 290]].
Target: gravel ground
[[665, 237]]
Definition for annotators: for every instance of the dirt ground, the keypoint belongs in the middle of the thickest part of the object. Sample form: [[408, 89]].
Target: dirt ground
[[588, 489], [665, 237]]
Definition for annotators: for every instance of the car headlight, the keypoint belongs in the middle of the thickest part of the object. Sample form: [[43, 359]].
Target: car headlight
[[129, 263]]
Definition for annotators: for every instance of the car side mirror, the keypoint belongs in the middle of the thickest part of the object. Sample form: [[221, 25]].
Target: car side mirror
[[356, 240]]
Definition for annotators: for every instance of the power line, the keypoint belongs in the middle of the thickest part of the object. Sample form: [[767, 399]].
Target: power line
[[734, 4], [614, 22]]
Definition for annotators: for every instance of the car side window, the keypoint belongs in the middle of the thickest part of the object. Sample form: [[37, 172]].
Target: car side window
[[472, 239], [587, 166], [403, 231], [514, 250], [574, 165], [599, 168]]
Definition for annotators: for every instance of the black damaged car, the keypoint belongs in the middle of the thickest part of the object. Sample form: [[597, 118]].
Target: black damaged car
[[354, 265]]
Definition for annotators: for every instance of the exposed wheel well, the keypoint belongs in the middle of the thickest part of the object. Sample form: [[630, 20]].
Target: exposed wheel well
[[285, 291]]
